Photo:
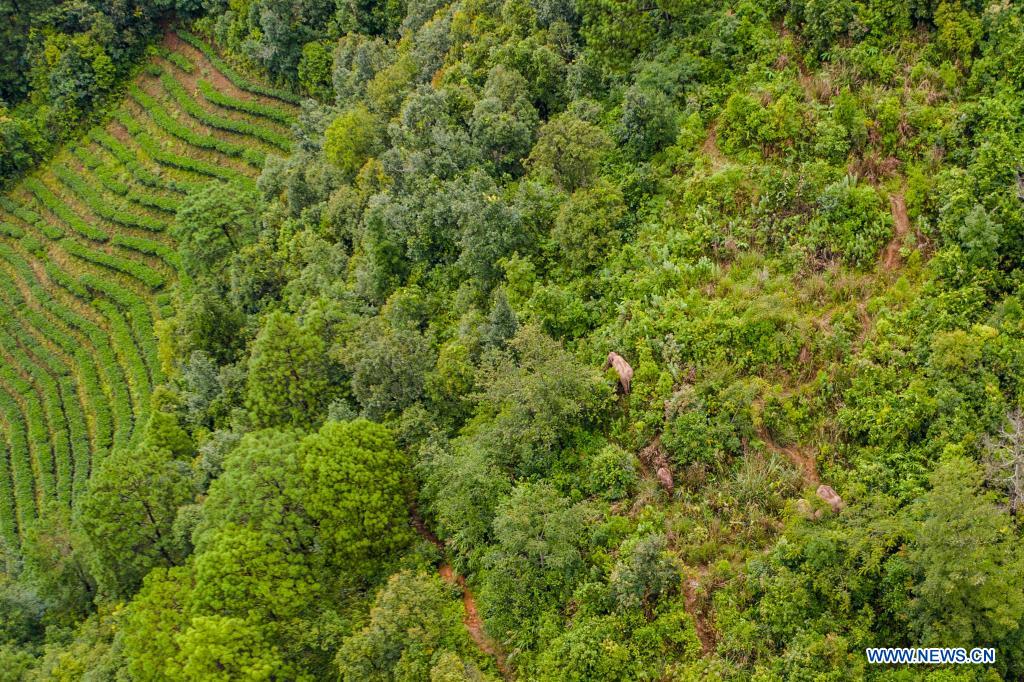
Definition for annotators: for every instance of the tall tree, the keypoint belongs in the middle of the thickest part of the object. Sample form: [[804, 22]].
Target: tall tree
[[355, 492], [127, 512], [212, 223], [288, 382], [970, 577]]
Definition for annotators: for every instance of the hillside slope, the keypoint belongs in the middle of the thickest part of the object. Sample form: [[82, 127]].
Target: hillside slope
[[88, 267]]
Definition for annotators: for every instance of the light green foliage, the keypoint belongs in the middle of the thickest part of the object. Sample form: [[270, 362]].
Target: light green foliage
[[154, 620], [261, 488], [127, 512], [354, 491], [958, 30], [592, 649], [255, 574], [224, 648], [351, 139], [315, 70], [414, 630], [749, 123], [287, 382]]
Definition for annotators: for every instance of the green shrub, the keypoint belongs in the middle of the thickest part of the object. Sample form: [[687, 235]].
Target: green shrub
[[105, 208], [167, 158], [170, 125], [57, 207], [182, 98], [612, 474], [181, 61], [852, 221], [236, 79], [151, 278], [214, 96]]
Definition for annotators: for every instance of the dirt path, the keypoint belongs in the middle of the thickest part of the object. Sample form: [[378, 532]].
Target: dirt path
[[891, 255], [710, 148], [801, 458], [698, 611], [471, 619], [217, 79]]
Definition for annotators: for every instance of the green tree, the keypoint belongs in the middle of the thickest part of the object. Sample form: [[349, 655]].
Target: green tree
[[315, 69], [127, 512], [969, 584], [593, 649], [389, 367], [211, 325], [645, 572], [537, 557], [288, 382], [212, 223], [355, 493], [535, 398], [253, 574], [222, 649], [261, 487], [164, 431], [464, 488], [352, 138], [648, 122], [570, 149], [414, 623], [502, 322], [154, 620], [56, 567], [590, 225], [504, 121], [980, 237]]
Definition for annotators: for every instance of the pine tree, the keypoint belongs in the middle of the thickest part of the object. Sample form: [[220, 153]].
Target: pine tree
[[287, 383]]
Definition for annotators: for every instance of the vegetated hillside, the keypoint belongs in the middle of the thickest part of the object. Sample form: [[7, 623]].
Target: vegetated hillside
[[88, 261], [386, 447]]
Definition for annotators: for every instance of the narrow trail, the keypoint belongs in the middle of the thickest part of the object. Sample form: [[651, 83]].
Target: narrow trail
[[891, 255], [802, 459], [216, 78], [705, 630], [714, 154], [471, 619]]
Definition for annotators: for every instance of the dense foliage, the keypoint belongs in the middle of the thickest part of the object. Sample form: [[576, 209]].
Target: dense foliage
[[380, 444], [60, 60]]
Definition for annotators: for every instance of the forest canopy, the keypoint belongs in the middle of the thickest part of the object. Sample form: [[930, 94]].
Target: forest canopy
[[547, 340]]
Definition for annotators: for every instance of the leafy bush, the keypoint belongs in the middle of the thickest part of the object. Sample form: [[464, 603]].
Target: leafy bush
[[236, 79], [214, 96], [852, 221]]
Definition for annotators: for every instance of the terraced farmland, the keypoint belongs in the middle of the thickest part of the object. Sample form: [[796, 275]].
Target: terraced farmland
[[87, 265]]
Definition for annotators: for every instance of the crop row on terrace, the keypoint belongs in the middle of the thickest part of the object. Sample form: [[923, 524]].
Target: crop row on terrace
[[87, 266]]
